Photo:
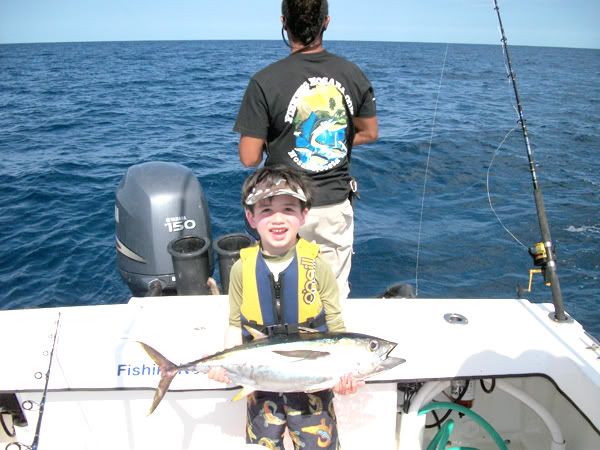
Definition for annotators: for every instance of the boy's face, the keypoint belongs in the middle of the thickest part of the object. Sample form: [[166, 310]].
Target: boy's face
[[277, 220]]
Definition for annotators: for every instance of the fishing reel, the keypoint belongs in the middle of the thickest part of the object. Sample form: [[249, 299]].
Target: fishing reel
[[539, 254]]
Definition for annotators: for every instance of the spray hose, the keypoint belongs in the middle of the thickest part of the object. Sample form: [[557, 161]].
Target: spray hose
[[441, 438]]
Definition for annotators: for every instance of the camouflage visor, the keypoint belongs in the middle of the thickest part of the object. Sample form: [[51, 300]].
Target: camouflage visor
[[280, 187]]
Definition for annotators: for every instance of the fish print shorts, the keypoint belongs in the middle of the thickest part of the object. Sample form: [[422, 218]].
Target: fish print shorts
[[310, 419]]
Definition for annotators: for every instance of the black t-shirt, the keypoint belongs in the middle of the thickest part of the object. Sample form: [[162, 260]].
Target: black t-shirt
[[302, 106]]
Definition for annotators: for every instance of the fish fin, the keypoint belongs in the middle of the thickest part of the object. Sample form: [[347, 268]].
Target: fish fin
[[307, 330], [302, 354], [246, 390], [168, 370], [327, 384], [255, 333]]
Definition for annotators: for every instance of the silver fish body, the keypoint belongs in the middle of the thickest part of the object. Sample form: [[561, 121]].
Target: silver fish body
[[304, 362]]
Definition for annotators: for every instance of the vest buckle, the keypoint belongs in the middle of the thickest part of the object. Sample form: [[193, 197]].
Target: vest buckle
[[281, 328]]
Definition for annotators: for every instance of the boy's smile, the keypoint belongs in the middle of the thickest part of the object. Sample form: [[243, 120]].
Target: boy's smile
[[277, 220]]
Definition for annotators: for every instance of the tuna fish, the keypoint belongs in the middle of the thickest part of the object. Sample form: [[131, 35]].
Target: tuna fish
[[300, 362]]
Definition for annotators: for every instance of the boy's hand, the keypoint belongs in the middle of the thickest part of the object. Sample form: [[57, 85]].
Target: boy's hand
[[347, 385], [219, 374]]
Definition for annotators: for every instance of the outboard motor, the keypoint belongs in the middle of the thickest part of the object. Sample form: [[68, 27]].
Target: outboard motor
[[156, 203]]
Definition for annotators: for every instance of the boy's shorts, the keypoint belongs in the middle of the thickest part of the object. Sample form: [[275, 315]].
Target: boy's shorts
[[310, 419]]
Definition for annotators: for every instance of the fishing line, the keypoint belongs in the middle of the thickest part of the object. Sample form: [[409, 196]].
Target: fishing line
[[505, 58], [487, 187], [427, 172], [36, 437], [547, 260]]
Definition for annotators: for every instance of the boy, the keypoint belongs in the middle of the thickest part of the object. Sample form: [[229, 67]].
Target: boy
[[276, 286]]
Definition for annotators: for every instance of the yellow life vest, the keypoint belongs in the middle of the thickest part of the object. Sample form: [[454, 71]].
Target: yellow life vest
[[293, 300]]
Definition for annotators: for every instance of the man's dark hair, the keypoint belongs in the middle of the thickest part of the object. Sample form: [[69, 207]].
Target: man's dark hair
[[269, 176], [304, 19]]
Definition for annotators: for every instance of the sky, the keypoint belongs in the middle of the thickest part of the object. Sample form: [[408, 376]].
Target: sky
[[551, 23]]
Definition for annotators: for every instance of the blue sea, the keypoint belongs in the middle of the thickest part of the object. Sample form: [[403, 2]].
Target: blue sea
[[75, 116]]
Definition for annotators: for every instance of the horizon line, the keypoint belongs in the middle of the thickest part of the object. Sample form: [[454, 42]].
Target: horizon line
[[275, 40]]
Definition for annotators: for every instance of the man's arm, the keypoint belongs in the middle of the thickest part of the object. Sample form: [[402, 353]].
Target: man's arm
[[366, 130], [251, 150]]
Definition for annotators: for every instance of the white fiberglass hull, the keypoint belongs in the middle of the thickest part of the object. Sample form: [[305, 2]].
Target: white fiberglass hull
[[101, 382]]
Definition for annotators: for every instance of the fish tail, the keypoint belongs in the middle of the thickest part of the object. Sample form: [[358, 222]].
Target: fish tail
[[168, 370]]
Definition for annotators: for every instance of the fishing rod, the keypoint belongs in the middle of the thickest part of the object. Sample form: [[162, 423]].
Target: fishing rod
[[543, 252], [38, 427]]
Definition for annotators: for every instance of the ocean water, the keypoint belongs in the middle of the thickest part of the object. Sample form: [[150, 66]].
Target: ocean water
[[74, 117]]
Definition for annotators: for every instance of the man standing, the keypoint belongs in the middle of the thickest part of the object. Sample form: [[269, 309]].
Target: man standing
[[307, 111]]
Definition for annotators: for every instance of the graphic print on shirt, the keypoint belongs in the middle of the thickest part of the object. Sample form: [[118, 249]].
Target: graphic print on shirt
[[319, 119]]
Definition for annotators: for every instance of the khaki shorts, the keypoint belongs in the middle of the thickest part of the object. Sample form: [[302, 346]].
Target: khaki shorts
[[332, 227]]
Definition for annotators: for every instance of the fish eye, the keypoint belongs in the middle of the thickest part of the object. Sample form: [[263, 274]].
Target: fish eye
[[373, 345]]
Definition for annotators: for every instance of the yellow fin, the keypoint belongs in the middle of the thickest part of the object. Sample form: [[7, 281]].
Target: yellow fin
[[246, 390], [307, 330], [255, 333]]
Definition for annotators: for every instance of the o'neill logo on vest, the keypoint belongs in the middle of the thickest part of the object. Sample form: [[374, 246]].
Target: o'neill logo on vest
[[318, 116], [309, 291]]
